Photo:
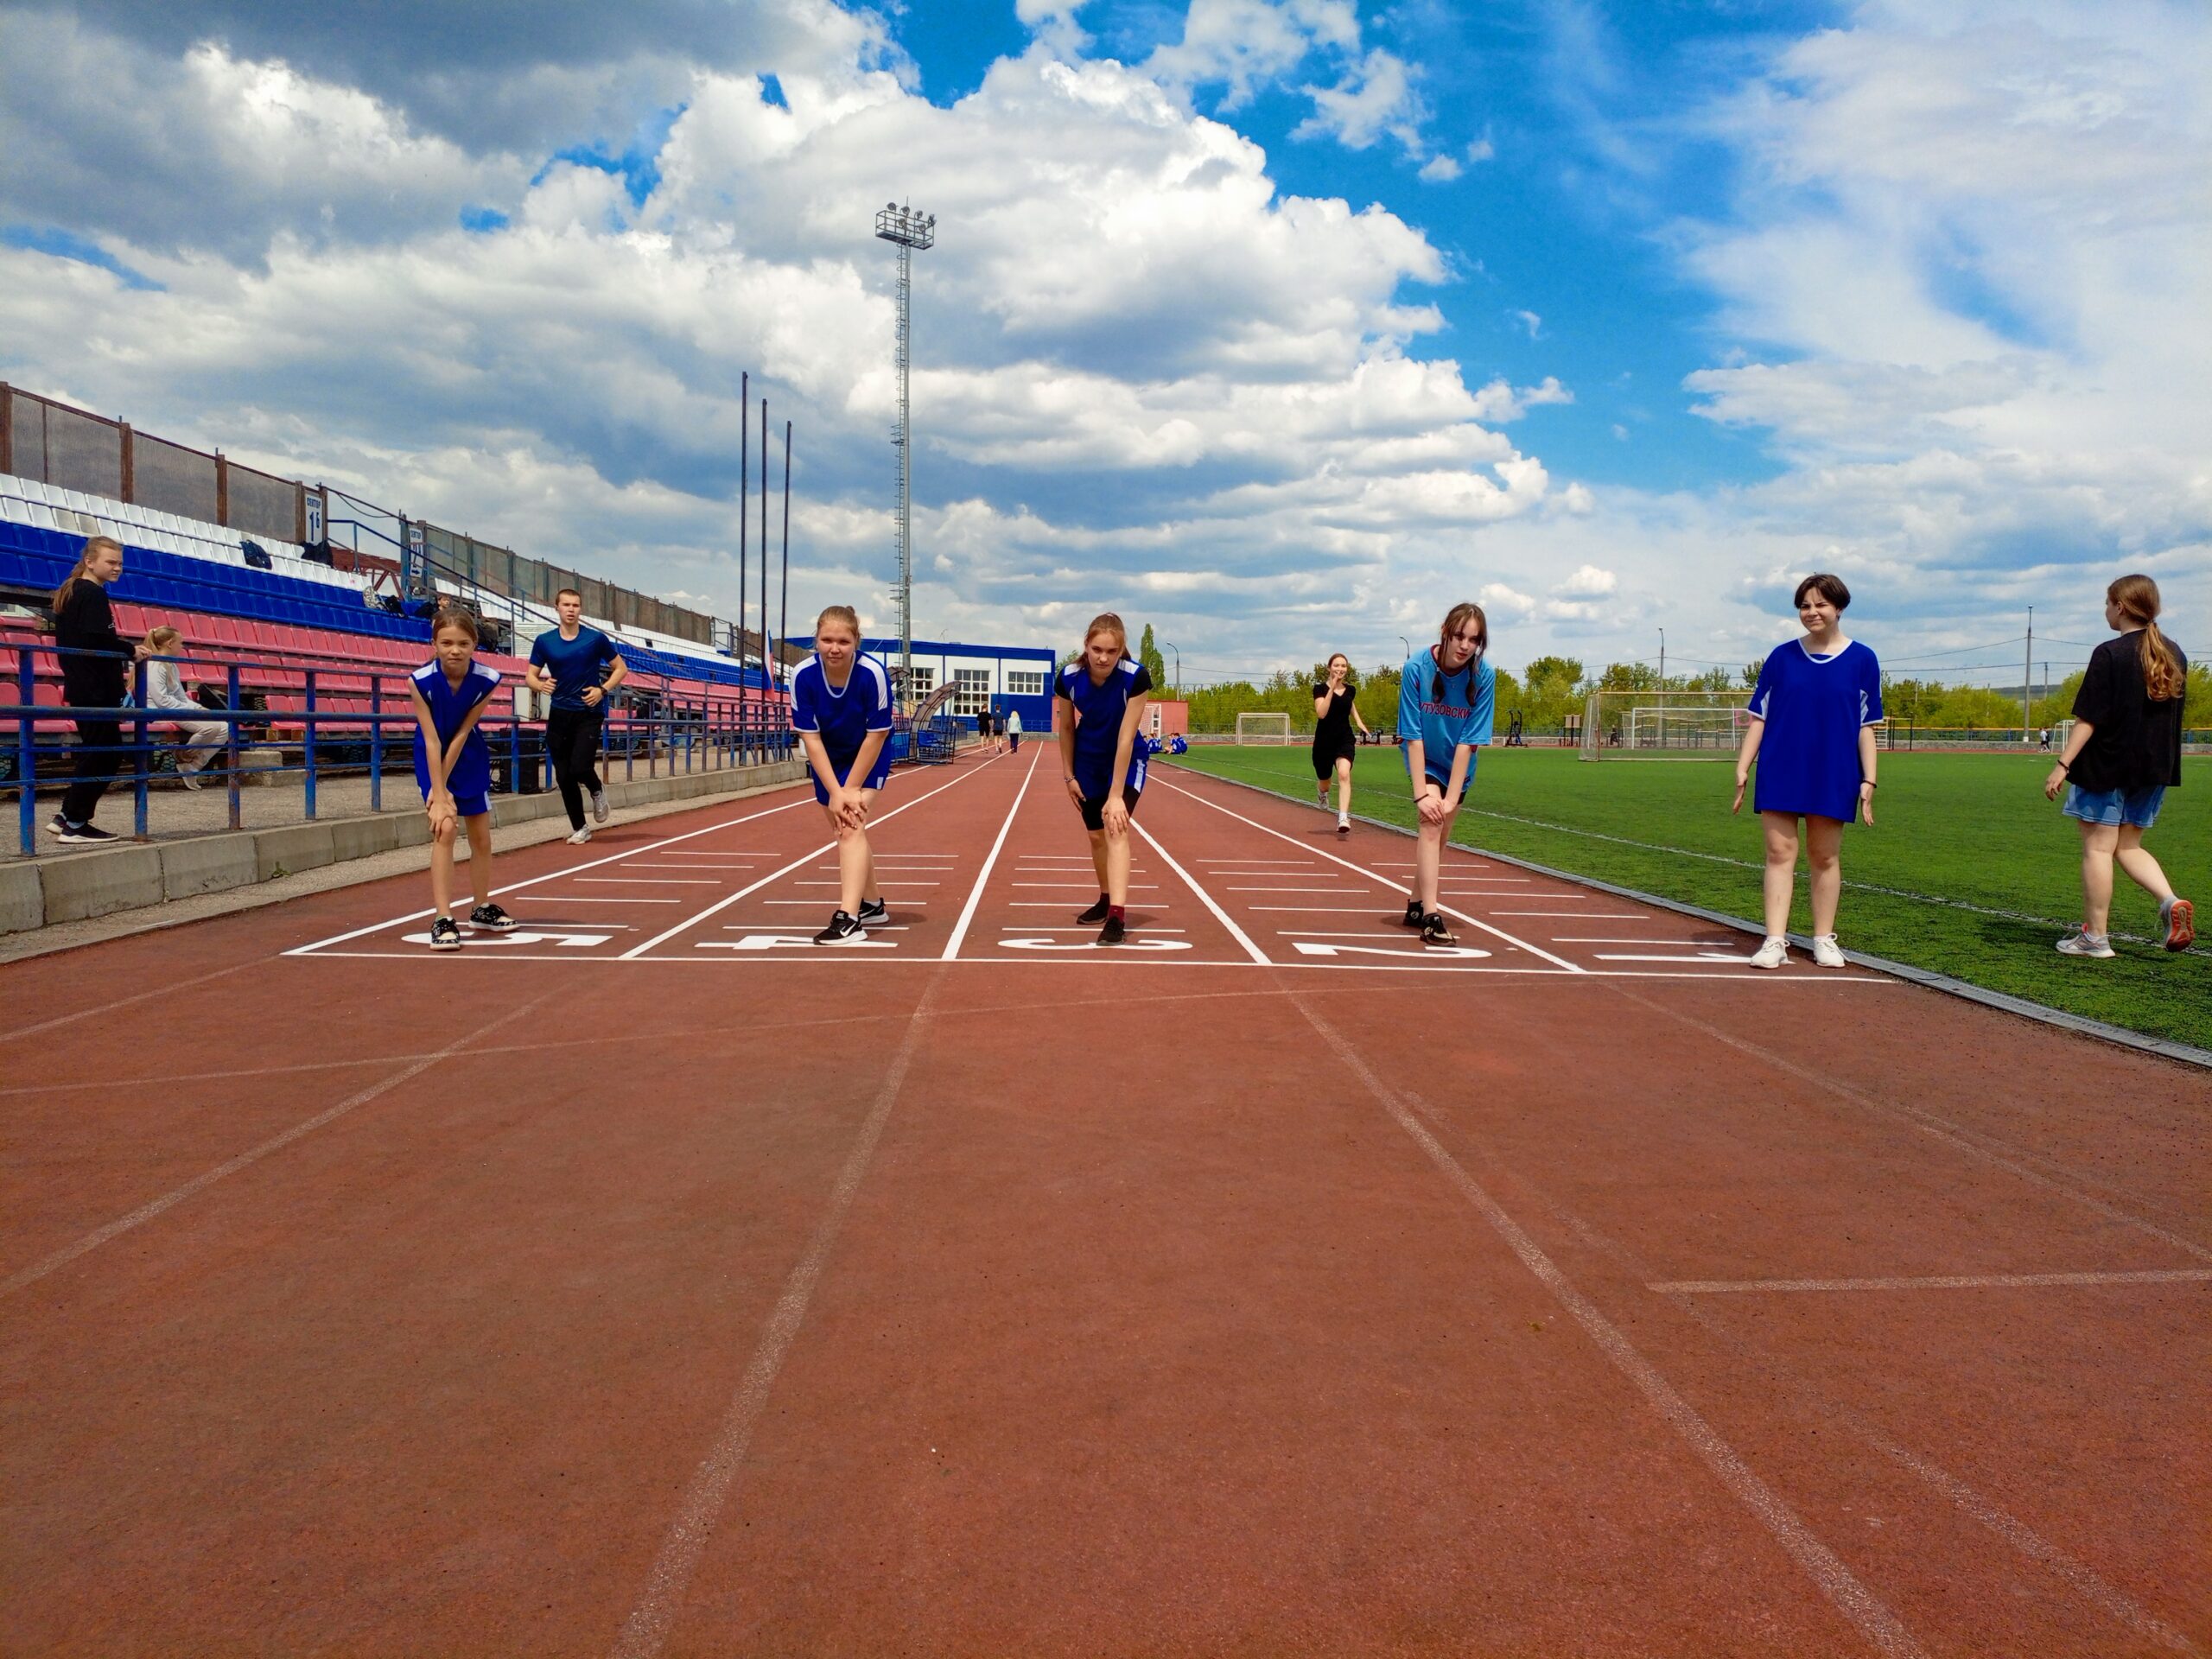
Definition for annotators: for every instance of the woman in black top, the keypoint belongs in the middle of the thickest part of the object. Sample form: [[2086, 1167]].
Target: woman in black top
[[84, 622], [1334, 717], [2122, 756]]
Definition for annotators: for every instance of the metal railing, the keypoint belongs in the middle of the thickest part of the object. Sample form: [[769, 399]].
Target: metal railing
[[326, 719]]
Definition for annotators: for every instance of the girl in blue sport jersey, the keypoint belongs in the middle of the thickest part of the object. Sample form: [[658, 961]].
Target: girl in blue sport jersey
[[453, 768], [1097, 713], [1445, 694], [1812, 731], [840, 708]]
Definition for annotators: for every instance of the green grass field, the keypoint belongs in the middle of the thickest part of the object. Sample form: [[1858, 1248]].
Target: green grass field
[[1968, 871]]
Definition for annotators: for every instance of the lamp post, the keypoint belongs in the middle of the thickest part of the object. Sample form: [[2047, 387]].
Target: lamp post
[[1663, 667], [1178, 668], [910, 231], [1408, 644]]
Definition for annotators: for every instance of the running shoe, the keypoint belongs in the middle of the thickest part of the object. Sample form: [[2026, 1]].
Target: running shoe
[[875, 913], [1321, 792], [1773, 952], [55, 826], [1114, 932], [1433, 929], [600, 809], [491, 916], [578, 837], [1097, 913], [1827, 953], [1415, 916], [2082, 943], [82, 834], [1343, 824], [2180, 918], [189, 779], [445, 934], [844, 929]]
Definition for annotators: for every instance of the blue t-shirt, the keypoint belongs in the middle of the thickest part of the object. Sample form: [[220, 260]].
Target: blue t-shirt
[[573, 663], [842, 718], [1444, 710], [1814, 707], [1097, 711], [449, 706]]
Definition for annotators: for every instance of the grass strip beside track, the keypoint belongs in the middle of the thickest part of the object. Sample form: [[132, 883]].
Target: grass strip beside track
[[1968, 871]]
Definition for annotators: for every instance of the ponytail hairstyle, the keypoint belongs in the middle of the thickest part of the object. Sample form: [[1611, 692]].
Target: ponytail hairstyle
[[1107, 622], [844, 614], [2137, 599], [163, 638], [94, 544], [455, 616]]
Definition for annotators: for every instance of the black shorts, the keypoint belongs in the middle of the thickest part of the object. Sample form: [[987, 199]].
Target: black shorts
[[1324, 760], [1094, 807]]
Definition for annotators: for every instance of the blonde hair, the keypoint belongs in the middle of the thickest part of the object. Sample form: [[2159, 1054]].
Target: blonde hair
[[92, 544], [1107, 622], [844, 614], [163, 637], [2137, 597]]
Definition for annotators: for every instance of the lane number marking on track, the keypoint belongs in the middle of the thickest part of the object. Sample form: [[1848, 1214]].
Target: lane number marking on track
[[1138, 941], [473, 937], [789, 942], [1422, 953]]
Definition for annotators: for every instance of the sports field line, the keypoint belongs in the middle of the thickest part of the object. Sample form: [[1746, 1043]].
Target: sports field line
[[1204, 896], [1938, 1282], [976, 894], [1384, 881], [1875, 1622], [721, 905], [554, 875]]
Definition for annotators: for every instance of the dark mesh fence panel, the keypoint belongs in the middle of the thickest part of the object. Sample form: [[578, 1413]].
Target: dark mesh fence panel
[[26, 432], [83, 453], [264, 506], [170, 478]]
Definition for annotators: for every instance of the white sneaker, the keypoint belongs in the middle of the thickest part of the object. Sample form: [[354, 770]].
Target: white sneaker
[[2078, 943], [1827, 953], [1772, 953], [599, 806], [577, 838]]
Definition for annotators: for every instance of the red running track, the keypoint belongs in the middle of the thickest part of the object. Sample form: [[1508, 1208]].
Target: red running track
[[650, 1281]]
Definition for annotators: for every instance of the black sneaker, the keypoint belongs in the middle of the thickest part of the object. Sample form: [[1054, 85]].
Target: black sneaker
[[1433, 932], [82, 835], [445, 934], [844, 929], [1113, 932], [490, 915], [1413, 914], [875, 913], [1097, 913]]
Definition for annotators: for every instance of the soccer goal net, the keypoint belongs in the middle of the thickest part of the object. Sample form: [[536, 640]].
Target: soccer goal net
[[1651, 724], [1263, 729]]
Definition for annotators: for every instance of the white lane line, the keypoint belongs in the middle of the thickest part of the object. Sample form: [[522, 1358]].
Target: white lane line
[[1261, 863], [588, 899], [887, 886], [1384, 881], [651, 880], [1581, 938], [517, 886], [1632, 956], [1373, 935], [1311, 910], [728, 852], [1204, 898], [146, 1213], [1569, 915], [1080, 886], [1148, 907], [1340, 892], [998, 844], [816, 904], [1087, 927], [1823, 1565], [721, 905], [1941, 1282], [719, 864]]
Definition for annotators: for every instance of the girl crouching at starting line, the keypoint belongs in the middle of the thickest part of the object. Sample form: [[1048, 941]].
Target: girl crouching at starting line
[[1445, 697], [1097, 706], [840, 708], [453, 768]]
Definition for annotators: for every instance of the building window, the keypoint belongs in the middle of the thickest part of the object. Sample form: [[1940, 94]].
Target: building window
[[1019, 684], [973, 692], [925, 682]]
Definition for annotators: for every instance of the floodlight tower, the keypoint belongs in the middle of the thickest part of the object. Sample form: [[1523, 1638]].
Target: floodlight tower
[[911, 232]]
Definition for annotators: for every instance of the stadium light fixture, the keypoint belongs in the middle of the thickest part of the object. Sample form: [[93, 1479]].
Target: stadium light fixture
[[911, 233], [1170, 644]]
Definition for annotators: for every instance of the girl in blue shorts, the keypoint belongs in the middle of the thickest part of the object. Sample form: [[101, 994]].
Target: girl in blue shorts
[[453, 768], [2122, 756], [1812, 733], [1099, 703], [1447, 693], [840, 708]]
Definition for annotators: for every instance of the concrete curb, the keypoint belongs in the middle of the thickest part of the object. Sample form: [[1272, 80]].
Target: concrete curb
[[35, 893], [2118, 1035]]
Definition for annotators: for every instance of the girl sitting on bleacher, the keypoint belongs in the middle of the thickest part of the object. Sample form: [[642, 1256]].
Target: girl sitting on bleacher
[[165, 690], [453, 768]]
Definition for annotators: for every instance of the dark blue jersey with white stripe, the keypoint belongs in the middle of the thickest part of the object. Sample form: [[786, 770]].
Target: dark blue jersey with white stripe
[[842, 716], [1098, 710], [449, 706]]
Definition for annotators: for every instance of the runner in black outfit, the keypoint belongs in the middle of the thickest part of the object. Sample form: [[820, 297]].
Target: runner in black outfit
[[1334, 717]]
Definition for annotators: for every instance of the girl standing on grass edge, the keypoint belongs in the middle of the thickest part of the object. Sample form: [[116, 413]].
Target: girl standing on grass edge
[[2121, 757], [1812, 731], [1098, 708], [453, 768], [1445, 697]]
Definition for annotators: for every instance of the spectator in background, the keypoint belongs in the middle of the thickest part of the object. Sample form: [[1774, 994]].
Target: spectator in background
[[95, 665], [2122, 756], [165, 690], [578, 666], [1014, 731]]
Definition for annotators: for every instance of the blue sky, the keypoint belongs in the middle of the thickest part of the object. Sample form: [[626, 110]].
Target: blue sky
[[1281, 324]]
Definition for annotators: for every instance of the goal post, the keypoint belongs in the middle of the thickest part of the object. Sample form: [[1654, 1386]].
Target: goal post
[[1663, 725], [1262, 728]]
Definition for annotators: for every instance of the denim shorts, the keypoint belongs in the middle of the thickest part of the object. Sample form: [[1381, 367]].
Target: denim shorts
[[2136, 806]]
